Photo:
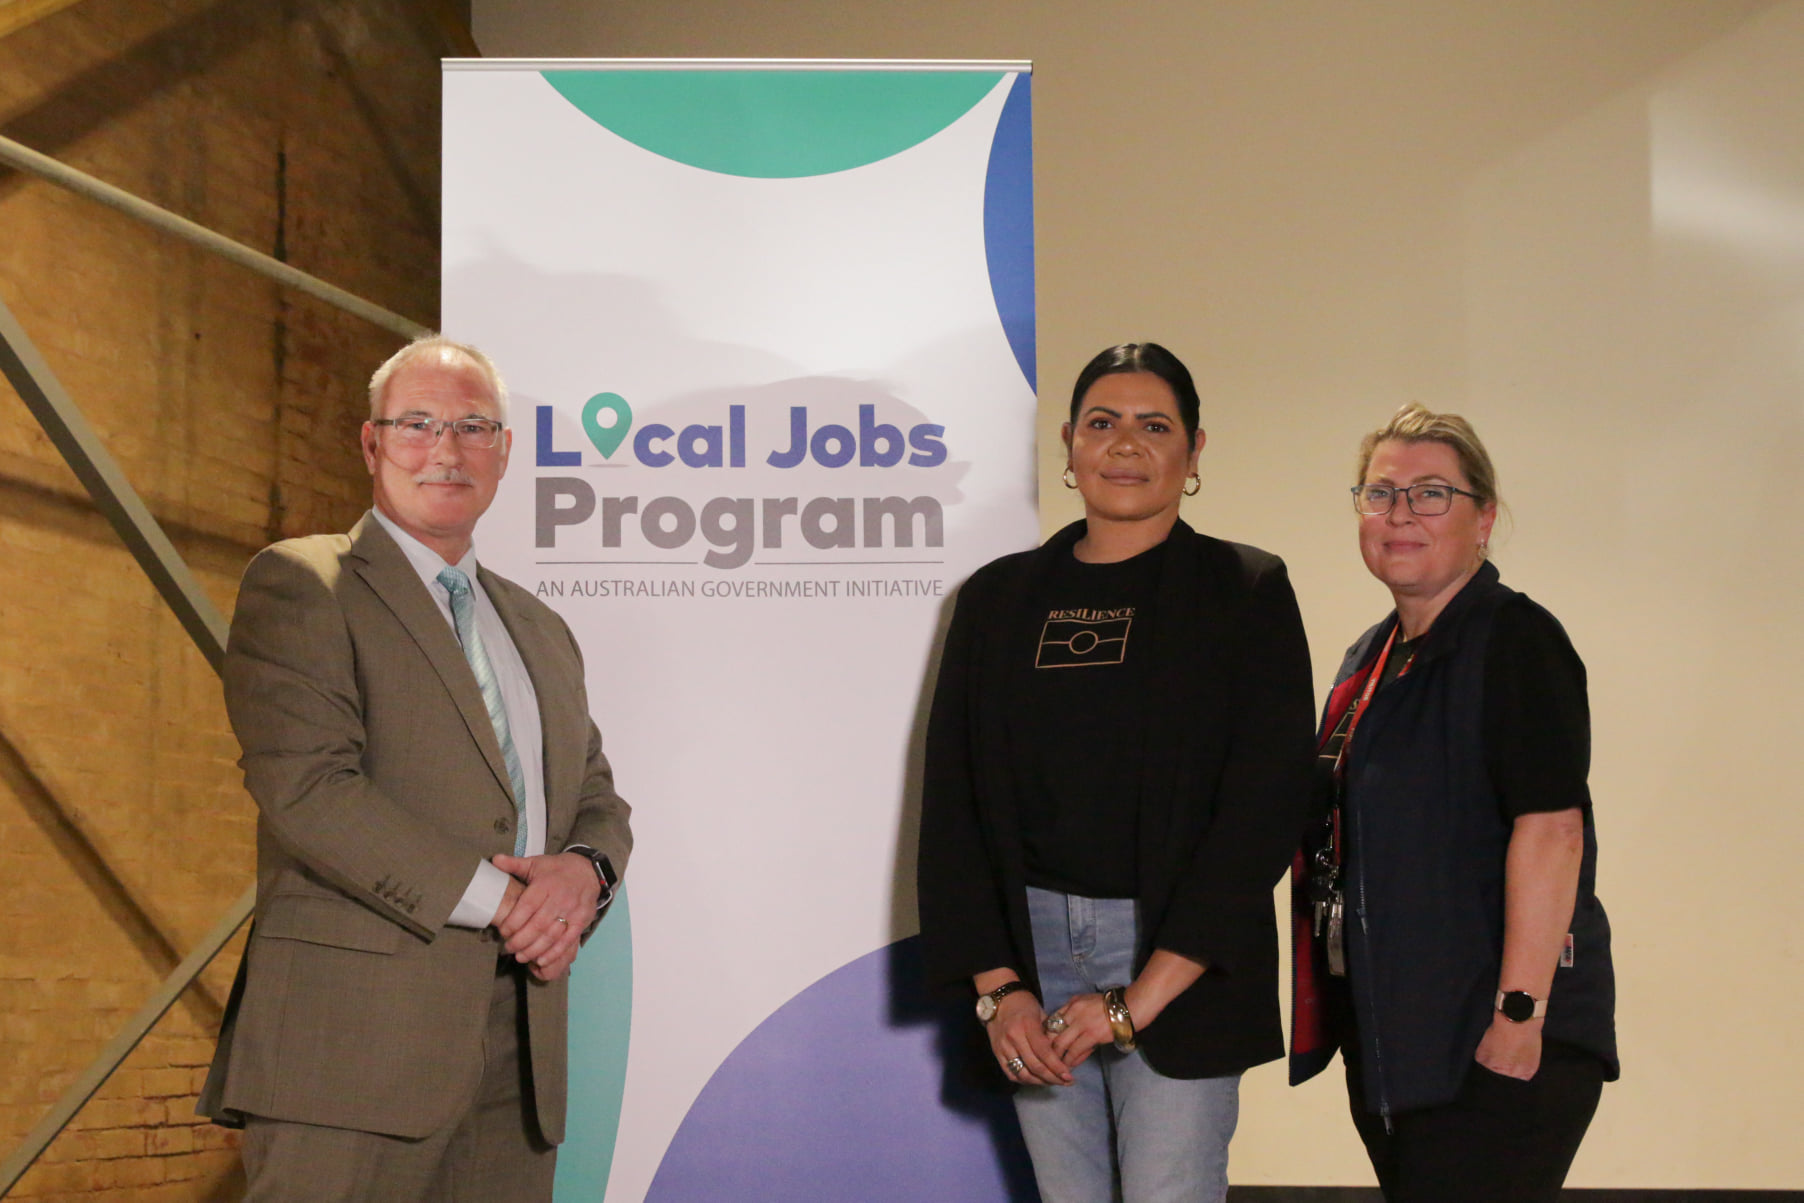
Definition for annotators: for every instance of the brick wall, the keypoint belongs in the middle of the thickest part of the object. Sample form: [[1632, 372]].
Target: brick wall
[[308, 130]]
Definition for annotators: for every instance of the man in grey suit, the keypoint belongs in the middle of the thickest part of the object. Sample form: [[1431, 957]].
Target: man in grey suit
[[437, 831]]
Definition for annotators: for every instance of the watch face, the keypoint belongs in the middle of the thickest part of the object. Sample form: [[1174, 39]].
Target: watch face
[[1518, 1006], [986, 1008]]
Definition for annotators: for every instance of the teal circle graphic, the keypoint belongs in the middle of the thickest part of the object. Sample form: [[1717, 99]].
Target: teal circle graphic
[[601, 1019], [774, 124]]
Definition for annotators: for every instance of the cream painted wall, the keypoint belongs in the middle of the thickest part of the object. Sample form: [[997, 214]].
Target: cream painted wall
[[1582, 225]]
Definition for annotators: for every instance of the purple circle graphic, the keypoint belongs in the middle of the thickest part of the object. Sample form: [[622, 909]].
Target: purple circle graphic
[[862, 1088]]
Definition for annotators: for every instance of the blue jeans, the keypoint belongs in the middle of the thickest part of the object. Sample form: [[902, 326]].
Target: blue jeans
[[1122, 1131]]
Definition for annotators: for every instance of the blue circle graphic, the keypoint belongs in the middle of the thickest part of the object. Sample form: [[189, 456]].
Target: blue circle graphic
[[1008, 225]]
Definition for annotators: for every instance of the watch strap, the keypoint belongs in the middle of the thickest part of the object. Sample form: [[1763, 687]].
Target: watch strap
[[1512, 1004], [996, 996], [604, 873]]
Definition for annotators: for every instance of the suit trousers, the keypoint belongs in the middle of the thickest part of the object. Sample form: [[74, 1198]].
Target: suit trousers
[[492, 1152]]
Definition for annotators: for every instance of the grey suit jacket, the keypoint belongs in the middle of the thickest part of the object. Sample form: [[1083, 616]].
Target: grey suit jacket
[[379, 785]]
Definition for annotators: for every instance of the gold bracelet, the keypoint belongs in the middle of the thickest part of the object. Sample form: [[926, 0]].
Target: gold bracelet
[[1121, 1021]]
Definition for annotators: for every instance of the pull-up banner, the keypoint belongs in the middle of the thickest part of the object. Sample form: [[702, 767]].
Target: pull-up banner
[[769, 332]]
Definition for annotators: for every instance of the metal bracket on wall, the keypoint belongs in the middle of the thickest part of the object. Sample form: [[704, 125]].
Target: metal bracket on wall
[[17, 154], [122, 1044], [44, 396], [58, 414], [68, 429]]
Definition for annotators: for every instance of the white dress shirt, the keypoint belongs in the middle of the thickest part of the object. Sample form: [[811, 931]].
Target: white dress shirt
[[482, 897]]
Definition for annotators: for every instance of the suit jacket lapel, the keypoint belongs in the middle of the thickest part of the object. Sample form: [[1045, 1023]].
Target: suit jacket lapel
[[386, 570]]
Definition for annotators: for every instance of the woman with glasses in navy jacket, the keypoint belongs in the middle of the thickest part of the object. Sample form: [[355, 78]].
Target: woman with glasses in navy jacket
[[1448, 936]]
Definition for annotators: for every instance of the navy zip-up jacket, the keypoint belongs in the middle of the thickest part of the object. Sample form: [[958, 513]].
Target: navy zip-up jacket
[[1426, 840]]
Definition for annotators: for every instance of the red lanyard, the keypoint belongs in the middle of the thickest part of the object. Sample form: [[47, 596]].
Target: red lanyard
[[1364, 697], [1359, 709]]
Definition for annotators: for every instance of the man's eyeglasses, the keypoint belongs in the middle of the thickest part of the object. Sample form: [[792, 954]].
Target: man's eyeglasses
[[472, 434], [1424, 500]]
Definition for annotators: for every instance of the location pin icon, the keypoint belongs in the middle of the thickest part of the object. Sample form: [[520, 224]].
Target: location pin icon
[[606, 419]]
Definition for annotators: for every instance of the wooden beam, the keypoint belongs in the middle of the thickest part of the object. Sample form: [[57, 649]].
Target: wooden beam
[[452, 18], [17, 14]]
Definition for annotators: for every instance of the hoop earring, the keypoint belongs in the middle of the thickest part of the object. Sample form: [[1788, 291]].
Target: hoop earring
[[1193, 485], [1069, 477]]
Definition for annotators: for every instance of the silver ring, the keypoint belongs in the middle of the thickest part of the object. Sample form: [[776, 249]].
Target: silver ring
[[1055, 1023], [1016, 1065], [563, 920]]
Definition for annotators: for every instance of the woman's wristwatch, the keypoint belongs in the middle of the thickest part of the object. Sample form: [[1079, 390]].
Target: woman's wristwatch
[[1121, 1020], [986, 1003]]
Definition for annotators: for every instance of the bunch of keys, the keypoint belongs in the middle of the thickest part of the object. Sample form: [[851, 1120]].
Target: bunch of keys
[[1329, 904], [1337, 937]]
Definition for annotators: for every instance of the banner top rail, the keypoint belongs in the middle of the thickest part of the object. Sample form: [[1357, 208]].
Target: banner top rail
[[733, 64]]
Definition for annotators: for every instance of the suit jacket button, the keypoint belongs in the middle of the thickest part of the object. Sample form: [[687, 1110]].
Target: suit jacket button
[[501, 826]]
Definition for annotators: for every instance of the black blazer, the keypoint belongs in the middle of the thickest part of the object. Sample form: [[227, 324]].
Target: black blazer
[[1223, 799]]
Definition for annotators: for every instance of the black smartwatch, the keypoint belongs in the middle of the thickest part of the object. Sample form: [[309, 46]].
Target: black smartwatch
[[604, 872], [1519, 1006]]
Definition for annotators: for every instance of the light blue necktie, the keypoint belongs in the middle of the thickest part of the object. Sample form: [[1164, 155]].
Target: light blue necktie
[[463, 614]]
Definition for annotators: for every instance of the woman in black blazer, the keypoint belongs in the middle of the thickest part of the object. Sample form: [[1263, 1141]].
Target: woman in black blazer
[[1118, 766]]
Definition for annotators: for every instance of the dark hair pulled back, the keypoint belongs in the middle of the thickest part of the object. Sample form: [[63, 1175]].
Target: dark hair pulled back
[[1143, 357]]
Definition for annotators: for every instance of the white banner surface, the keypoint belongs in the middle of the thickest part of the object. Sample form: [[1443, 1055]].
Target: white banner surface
[[769, 335]]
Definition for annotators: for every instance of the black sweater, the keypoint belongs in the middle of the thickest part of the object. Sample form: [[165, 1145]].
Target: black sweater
[[1223, 794]]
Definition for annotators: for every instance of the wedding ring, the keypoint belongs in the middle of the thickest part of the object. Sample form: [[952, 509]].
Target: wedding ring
[[1055, 1023], [1016, 1065], [563, 920]]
